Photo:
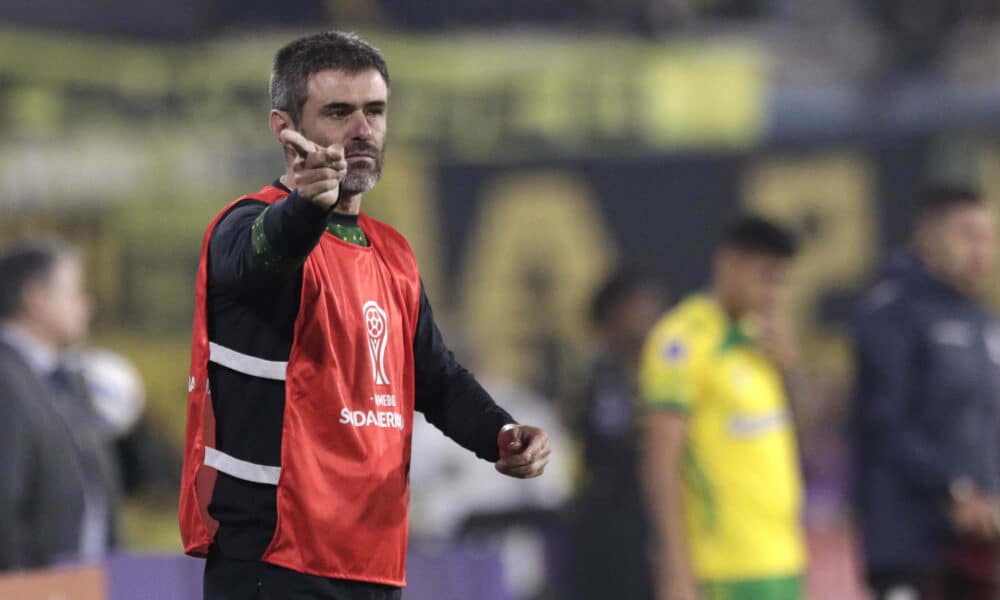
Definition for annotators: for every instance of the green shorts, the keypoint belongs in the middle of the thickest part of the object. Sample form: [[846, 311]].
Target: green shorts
[[776, 588]]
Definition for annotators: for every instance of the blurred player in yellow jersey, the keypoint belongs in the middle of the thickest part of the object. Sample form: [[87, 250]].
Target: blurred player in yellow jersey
[[721, 467]]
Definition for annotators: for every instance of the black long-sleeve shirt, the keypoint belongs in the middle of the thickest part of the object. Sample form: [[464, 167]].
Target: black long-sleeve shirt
[[256, 254]]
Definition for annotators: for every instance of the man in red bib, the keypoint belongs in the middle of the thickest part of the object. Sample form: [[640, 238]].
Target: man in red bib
[[313, 345]]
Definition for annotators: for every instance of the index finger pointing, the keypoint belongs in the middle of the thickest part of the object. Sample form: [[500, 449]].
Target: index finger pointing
[[335, 153], [297, 141]]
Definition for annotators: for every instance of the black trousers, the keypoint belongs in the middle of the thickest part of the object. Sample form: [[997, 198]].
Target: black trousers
[[609, 555], [231, 579]]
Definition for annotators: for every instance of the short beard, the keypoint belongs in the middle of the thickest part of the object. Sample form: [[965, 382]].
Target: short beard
[[353, 183], [359, 183], [356, 182]]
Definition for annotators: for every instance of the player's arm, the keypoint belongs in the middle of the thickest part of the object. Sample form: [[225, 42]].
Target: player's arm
[[666, 436], [448, 394], [667, 392], [256, 245], [454, 402]]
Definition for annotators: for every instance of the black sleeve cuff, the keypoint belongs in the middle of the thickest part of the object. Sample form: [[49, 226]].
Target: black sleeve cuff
[[486, 446]]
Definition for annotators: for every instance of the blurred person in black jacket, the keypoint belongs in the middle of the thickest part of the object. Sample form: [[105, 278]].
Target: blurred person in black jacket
[[926, 425], [58, 477], [610, 524]]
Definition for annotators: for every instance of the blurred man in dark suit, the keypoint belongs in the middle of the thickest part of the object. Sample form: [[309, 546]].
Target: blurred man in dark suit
[[58, 479], [927, 410]]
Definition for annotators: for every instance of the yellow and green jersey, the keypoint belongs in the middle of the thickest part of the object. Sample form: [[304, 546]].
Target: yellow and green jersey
[[742, 487]]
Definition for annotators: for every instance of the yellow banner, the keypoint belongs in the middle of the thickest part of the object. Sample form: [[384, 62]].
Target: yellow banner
[[472, 97]]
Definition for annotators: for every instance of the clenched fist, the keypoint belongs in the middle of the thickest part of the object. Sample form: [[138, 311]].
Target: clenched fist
[[524, 451], [317, 170]]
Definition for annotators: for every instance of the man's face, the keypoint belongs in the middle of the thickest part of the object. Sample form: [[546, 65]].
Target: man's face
[[758, 282], [58, 306], [960, 246], [349, 109]]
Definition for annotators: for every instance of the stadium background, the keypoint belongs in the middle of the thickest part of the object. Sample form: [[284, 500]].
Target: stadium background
[[532, 149]]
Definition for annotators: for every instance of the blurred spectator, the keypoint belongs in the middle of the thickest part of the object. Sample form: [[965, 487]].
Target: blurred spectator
[[147, 461], [58, 480], [720, 456], [926, 432], [609, 517]]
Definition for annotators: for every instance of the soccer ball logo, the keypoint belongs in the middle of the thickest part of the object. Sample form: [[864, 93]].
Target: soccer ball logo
[[375, 322], [377, 326]]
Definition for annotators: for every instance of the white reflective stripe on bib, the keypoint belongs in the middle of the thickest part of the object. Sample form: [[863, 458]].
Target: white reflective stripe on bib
[[246, 364], [241, 469]]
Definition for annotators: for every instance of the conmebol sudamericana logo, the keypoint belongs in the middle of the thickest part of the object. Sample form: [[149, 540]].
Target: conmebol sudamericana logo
[[377, 325]]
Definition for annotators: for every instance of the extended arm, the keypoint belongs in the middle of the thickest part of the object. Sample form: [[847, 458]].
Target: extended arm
[[448, 394], [256, 245]]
